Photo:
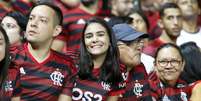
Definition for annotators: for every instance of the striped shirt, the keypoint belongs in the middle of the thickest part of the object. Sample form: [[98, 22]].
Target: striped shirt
[[47, 80]]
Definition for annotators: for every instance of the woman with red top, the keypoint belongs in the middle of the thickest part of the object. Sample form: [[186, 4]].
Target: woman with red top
[[99, 74]]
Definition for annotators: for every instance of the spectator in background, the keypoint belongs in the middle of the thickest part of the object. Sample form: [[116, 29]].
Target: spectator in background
[[9, 91], [130, 44], [171, 24], [151, 9], [119, 11], [140, 23], [45, 74], [192, 56], [99, 69], [69, 41], [191, 31], [14, 24]]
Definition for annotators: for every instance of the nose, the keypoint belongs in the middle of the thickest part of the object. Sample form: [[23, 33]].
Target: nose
[[169, 66], [94, 39], [176, 21], [34, 23]]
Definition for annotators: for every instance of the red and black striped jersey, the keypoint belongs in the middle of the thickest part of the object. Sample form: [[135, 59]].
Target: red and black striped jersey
[[47, 80], [137, 86], [22, 6], [92, 90], [161, 91], [74, 22], [11, 87]]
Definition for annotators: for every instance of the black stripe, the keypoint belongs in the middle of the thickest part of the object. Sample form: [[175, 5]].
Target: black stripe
[[92, 89], [43, 88], [31, 98], [33, 72], [56, 65], [74, 15], [24, 58]]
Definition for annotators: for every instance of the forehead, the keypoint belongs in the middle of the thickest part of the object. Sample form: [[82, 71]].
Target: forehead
[[43, 10], [95, 27], [8, 19], [136, 16], [172, 11], [168, 53]]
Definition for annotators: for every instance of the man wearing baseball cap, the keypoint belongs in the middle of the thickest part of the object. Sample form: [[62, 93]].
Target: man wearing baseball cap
[[130, 44]]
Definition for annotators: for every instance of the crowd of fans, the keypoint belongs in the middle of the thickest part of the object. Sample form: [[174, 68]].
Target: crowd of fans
[[100, 50]]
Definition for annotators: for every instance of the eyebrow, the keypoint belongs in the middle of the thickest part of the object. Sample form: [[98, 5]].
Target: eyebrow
[[100, 32]]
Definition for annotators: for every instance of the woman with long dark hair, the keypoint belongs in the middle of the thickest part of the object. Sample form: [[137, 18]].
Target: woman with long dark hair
[[99, 73], [9, 81], [4, 55]]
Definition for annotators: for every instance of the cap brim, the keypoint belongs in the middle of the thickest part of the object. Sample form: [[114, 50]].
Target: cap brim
[[132, 37]]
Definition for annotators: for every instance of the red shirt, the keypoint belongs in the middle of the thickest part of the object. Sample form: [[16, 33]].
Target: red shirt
[[152, 47], [94, 90], [45, 80], [163, 92]]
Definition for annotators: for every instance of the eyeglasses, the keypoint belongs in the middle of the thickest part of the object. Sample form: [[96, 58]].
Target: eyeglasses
[[164, 63]]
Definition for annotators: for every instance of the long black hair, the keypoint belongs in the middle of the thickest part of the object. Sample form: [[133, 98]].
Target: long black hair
[[192, 56], [4, 64], [110, 69]]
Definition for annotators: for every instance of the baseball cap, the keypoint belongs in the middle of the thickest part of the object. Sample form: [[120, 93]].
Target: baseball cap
[[125, 32]]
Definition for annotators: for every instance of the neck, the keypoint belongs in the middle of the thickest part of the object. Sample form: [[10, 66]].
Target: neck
[[164, 37], [98, 60], [190, 25], [39, 52], [115, 13], [91, 9]]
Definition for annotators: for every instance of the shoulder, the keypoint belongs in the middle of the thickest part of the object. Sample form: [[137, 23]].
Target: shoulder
[[64, 59], [196, 91]]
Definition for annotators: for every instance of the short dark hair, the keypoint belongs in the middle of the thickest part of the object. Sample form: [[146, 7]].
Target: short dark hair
[[167, 6], [4, 64], [57, 10]]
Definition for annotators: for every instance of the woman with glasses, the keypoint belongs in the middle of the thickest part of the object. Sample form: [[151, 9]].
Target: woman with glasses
[[165, 83]]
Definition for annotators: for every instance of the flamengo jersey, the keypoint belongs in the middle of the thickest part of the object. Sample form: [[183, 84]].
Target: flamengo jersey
[[137, 87], [74, 22], [47, 80], [162, 92], [88, 90], [11, 87]]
